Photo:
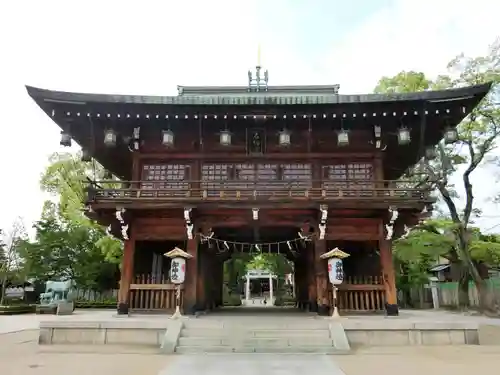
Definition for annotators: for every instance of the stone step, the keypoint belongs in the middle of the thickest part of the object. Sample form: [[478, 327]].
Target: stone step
[[249, 349], [259, 324], [254, 342], [264, 333]]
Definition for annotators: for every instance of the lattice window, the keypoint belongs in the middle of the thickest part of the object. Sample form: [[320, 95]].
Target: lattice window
[[165, 176], [216, 177], [267, 176], [350, 175], [297, 175]]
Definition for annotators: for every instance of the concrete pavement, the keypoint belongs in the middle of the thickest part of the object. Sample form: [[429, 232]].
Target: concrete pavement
[[252, 364]]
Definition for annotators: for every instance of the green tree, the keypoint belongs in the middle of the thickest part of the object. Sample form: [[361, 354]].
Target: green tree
[[65, 250], [435, 239], [65, 178], [278, 264], [477, 139], [403, 82], [10, 264]]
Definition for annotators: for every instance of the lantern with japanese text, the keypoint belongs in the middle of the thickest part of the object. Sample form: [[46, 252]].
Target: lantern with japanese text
[[177, 274], [335, 272]]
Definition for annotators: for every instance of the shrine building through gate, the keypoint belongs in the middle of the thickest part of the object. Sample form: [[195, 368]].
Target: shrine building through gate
[[302, 168]]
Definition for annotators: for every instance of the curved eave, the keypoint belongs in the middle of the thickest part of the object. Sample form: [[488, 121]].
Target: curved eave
[[257, 99]]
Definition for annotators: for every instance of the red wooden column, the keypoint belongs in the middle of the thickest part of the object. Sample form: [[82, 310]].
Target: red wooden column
[[300, 283], [190, 303], [311, 278], [201, 281], [388, 275], [127, 273], [321, 272]]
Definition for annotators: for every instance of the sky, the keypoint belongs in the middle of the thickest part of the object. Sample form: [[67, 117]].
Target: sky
[[150, 47]]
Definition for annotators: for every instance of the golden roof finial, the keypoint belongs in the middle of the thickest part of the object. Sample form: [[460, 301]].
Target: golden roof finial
[[258, 55]]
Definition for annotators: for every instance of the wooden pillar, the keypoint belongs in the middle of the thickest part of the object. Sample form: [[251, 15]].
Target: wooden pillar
[[126, 273], [219, 282], [321, 273], [201, 288], [311, 279], [192, 273], [209, 281], [300, 283], [388, 275]]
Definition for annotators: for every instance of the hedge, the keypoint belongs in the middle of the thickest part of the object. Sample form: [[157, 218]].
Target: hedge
[[95, 305], [17, 309]]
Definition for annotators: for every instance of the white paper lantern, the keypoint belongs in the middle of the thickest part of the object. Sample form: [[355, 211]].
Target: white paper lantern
[[284, 138], [335, 271], [450, 135], [178, 270], [167, 138], [404, 136], [343, 138], [225, 138]]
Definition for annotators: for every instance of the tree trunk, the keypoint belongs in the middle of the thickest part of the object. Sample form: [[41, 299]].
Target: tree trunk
[[486, 297], [4, 286], [486, 300], [463, 289]]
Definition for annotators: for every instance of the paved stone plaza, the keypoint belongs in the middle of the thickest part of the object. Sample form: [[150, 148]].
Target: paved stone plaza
[[20, 354]]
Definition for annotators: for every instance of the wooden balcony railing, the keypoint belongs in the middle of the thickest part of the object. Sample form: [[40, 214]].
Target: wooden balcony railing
[[148, 293], [361, 293], [206, 191]]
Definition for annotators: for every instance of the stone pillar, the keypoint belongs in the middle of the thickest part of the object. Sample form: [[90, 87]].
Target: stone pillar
[[271, 291], [127, 273], [192, 275], [388, 276], [247, 290]]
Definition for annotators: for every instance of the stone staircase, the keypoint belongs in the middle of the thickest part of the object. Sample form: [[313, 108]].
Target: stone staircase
[[228, 337]]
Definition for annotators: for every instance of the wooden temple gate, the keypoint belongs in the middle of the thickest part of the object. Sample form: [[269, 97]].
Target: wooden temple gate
[[304, 157]]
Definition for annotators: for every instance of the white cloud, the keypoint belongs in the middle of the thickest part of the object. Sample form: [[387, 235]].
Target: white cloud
[[149, 47]]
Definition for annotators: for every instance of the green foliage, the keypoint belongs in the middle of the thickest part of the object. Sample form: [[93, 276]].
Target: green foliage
[[403, 82], [11, 265], [427, 240], [229, 298], [437, 238], [477, 137], [275, 263], [17, 309], [66, 250], [65, 178]]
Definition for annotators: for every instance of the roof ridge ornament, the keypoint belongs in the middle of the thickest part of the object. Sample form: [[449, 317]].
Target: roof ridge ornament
[[258, 83]]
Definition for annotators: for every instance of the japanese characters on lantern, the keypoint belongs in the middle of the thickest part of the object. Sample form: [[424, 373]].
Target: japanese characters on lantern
[[178, 270], [335, 271]]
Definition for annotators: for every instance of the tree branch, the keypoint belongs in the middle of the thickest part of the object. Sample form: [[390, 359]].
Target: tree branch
[[475, 160]]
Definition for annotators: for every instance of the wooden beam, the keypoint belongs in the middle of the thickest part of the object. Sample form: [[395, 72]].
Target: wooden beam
[[225, 156]]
